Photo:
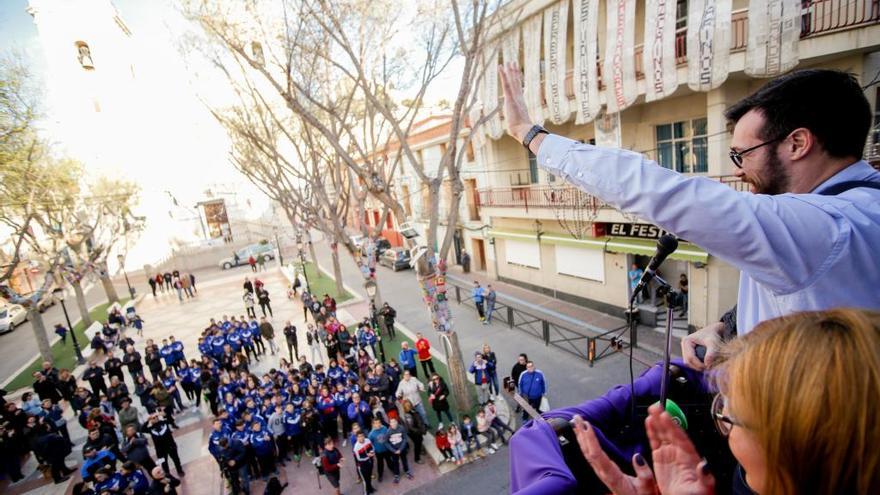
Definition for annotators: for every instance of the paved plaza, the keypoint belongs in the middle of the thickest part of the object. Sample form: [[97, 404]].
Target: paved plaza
[[165, 316]]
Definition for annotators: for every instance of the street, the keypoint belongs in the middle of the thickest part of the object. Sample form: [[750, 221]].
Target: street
[[18, 348]]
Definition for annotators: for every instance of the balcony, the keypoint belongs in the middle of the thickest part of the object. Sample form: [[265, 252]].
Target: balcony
[[819, 18], [564, 196]]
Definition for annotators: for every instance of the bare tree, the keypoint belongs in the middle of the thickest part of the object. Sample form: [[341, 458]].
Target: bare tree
[[337, 70]]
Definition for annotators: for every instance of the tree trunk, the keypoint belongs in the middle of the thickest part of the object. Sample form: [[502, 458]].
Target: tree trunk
[[40, 333], [457, 372], [112, 296], [315, 259], [337, 271], [81, 304]]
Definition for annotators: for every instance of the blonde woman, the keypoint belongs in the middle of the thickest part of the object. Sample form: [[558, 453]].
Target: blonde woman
[[798, 402]]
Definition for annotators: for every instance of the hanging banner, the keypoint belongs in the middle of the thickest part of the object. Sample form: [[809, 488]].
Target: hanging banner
[[619, 73], [494, 129], [607, 129], [474, 115], [774, 33], [708, 43], [510, 46], [586, 79], [658, 55], [555, 44], [532, 68]]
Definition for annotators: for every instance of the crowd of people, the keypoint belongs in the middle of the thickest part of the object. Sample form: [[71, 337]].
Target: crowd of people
[[345, 394], [183, 283]]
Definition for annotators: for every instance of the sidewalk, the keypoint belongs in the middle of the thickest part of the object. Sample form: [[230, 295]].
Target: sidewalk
[[650, 339]]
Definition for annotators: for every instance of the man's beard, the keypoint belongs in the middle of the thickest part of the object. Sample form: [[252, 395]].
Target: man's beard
[[773, 179]]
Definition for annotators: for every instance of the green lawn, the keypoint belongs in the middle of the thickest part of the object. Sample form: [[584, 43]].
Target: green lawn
[[63, 355], [322, 284], [392, 350]]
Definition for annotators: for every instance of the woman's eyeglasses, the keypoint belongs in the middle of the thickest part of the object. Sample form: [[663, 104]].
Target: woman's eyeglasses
[[723, 423], [737, 156]]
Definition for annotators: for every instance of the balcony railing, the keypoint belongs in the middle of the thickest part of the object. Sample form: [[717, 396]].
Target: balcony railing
[[563, 197], [819, 17]]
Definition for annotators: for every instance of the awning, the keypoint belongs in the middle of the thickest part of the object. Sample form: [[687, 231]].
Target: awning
[[588, 243], [644, 247], [514, 234]]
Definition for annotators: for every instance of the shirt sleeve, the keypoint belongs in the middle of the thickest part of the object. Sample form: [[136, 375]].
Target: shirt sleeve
[[783, 241]]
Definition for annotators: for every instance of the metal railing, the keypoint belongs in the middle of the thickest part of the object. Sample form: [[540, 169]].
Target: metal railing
[[827, 16], [582, 343], [565, 196]]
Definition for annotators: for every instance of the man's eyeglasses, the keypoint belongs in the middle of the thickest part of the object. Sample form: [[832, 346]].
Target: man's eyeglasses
[[737, 156], [723, 423]]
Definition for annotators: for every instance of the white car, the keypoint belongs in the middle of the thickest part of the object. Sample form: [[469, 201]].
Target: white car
[[11, 315]]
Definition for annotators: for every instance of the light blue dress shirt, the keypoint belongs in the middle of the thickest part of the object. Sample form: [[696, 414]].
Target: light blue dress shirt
[[796, 252]]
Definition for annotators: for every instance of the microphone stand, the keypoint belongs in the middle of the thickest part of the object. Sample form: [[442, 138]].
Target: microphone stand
[[669, 297]]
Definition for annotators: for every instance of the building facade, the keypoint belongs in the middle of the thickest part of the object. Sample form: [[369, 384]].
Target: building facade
[[546, 236]]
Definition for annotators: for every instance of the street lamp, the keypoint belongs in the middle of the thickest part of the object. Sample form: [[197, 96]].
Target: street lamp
[[59, 295], [302, 259], [121, 259], [371, 288]]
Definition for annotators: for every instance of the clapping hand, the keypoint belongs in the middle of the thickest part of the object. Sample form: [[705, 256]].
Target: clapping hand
[[607, 471], [678, 468]]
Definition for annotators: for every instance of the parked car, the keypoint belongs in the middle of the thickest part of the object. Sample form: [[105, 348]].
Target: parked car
[[395, 258], [267, 250], [382, 245], [11, 315]]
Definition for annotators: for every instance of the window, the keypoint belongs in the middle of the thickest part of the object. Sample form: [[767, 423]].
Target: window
[[582, 263], [523, 253], [683, 147], [681, 14], [533, 167]]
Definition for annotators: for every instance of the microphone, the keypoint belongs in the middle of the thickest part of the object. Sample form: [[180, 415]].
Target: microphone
[[666, 245]]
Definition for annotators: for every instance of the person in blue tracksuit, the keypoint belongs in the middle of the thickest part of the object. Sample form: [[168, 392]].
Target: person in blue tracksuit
[[334, 373], [219, 432], [247, 341], [264, 449], [532, 386], [478, 295], [167, 353], [408, 358], [293, 430], [177, 346], [359, 412], [135, 479], [233, 338]]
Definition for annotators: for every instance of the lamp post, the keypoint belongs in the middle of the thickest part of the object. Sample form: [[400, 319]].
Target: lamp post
[[371, 288], [131, 290], [302, 259], [59, 294]]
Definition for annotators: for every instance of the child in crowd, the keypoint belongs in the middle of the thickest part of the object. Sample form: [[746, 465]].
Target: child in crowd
[[442, 442], [457, 444]]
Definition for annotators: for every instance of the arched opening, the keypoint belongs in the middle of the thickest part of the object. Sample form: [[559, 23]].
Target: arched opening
[[84, 55]]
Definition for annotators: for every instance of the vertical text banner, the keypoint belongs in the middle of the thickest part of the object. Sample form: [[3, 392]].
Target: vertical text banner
[[586, 46], [532, 68], [774, 33], [619, 75], [658, 56], [555, 43], [708, 43]]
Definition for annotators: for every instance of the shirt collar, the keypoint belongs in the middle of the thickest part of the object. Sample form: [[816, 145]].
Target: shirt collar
[[859, 170]]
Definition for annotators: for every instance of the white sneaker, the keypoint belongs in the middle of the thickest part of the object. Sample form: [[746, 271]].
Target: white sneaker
[[496, 446], [491, 450], [344, 442]]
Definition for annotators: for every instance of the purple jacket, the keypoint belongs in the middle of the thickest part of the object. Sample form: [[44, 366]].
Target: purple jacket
[[547, 473]]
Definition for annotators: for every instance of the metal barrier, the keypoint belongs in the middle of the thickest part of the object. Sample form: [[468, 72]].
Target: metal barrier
[[582, 343]]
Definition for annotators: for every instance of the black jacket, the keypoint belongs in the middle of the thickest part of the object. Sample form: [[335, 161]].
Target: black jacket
[[133, 361]]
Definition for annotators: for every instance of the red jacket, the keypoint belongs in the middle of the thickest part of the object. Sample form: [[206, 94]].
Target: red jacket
[[442, 441], [424, 348]]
